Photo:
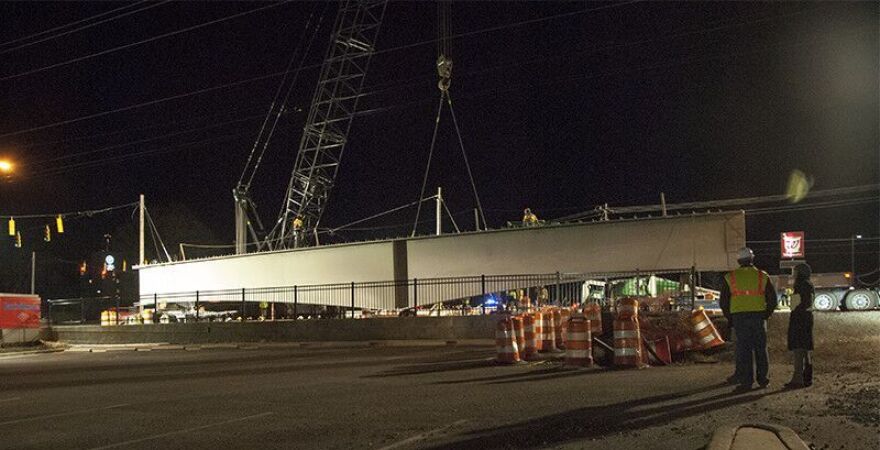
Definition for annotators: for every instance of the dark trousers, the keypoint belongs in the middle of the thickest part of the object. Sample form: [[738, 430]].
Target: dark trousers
[[751, 345]]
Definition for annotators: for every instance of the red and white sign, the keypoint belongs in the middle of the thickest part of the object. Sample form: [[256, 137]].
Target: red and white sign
[[19, 311], [792, 244]]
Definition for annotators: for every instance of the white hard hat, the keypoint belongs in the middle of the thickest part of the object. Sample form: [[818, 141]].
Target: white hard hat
[[745, 255]]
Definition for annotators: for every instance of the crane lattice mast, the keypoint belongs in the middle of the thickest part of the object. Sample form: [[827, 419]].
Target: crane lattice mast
[[326, 129]]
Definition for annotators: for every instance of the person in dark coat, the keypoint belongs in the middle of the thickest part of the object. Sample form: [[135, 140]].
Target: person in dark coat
[[800, 329]]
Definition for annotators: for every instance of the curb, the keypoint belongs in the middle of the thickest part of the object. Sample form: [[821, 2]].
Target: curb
[[29, 352], [277, 345], [723, 437]]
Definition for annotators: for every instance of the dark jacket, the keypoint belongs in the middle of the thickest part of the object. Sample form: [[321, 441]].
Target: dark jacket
[[769, 298], [800, 322]]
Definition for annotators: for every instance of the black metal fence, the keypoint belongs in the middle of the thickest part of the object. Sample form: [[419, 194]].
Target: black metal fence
[[479, 294]]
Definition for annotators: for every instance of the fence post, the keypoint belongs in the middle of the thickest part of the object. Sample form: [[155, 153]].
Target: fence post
[[82, 310], [155, 308], [242, 305], [49, 312], [295, 301], [352, 299], [483, 288], [117, 309], [693, 288], [197, 306], [558, 292], [416, 295]]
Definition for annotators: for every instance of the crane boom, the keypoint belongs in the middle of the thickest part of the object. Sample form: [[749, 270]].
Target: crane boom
[[329, 119]]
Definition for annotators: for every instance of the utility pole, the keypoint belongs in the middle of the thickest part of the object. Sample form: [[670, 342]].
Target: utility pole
[[477, 219], [141, 256], [663, 203], [33, 271], [439, 201]]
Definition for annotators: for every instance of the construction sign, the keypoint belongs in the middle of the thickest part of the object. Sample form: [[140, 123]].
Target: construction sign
[[792, 244], [19, 311]]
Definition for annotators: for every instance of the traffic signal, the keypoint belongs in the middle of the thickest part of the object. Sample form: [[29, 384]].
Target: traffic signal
[[47, 234], [59, 224], [11, 226], [17, 240], [83, 268]]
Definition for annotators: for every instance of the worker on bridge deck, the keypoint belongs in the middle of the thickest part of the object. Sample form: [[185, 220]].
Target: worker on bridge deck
[[748, 299], [529, 218]]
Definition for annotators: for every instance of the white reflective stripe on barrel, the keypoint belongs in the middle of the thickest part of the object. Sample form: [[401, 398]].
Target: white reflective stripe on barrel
[[577, 353], [707, 339], [703, 324], [509, 349], [577, 336], [625, 352], [625, 334]]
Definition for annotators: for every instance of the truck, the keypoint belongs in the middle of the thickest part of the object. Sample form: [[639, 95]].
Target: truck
[[834, 291]]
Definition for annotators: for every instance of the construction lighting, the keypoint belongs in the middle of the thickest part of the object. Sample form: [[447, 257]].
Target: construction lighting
[[59, 225]]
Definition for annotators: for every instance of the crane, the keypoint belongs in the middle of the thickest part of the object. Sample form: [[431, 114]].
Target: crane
[[324, 136]]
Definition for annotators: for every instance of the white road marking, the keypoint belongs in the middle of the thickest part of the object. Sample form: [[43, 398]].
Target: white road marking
[[172, 433], [11, 399], [422, 436], [50, 416]]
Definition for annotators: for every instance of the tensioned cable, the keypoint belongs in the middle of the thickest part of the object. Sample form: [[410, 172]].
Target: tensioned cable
[[84, 27], [133, 44], [451, 217], [141, 141], [96, 16], [313, 66], [384, 213], [428, 167], [85, 213], [286, 96], [156, 235], [466, 163]]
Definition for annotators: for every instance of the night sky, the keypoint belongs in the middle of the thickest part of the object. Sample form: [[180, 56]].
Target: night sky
[[605, 103]]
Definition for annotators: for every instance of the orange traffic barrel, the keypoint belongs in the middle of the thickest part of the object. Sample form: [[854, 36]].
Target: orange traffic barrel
[[627, 343], [519, 333], [593, 313], [627, 307], [505, 343], [560, 323], [530, 351], [548, 333], [578, 343], [707, 336]]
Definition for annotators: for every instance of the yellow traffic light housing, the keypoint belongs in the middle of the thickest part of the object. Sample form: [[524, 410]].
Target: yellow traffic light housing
[[11, 226], [59, 225]]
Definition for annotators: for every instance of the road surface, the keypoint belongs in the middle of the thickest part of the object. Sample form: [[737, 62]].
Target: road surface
[[406, 397]]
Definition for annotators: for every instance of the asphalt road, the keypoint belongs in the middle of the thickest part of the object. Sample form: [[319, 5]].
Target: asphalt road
[[409, 397]]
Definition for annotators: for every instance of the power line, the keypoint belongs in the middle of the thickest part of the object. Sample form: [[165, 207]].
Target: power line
[[96, 16], [133, 44], [84, 213], [109, 19], [141, 141], [276, 74]]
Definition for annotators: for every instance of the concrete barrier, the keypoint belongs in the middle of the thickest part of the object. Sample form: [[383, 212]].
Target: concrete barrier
[[401, 328]]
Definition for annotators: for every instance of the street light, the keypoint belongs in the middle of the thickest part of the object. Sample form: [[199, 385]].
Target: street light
[[852, 260], [6, 166]]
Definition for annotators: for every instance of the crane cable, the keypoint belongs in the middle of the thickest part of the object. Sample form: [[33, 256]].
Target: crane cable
[[444, 71]]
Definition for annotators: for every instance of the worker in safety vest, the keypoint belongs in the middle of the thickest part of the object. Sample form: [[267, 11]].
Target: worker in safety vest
[[529, 218], [748, 299]]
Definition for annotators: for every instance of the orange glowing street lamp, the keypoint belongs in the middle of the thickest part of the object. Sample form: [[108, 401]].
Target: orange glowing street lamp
[[6, 166]]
